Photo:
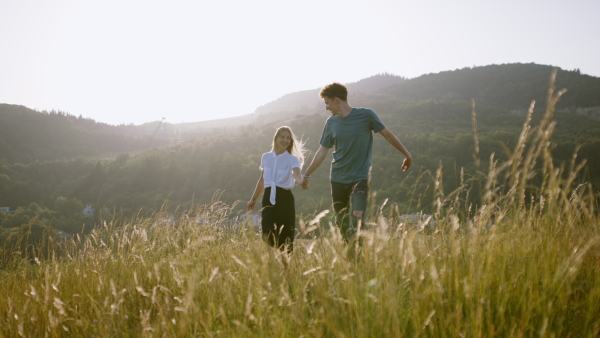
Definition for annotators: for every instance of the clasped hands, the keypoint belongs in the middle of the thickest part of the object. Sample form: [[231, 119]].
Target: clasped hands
[[304, 183]]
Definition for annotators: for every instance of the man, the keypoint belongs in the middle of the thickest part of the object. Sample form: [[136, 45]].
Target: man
[[349, 131]]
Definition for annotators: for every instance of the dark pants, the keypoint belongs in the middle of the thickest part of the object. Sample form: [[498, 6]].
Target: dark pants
[[279, 220], [342, 194]]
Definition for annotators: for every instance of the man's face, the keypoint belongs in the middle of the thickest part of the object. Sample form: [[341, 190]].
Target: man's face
[[332, 105]]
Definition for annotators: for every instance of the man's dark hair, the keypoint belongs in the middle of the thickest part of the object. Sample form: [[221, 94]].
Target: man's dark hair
[[334, 90]]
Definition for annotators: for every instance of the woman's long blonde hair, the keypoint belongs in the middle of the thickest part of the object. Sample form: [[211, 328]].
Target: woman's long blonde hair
[[295, 148]]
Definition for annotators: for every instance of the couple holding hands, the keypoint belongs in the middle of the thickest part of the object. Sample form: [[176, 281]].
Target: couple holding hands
[[349, 131]]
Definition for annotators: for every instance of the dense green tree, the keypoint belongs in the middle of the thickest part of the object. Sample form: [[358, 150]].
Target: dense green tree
[[68, 207]]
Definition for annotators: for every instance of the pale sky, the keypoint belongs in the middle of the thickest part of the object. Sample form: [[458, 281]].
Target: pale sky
[[137, 61]]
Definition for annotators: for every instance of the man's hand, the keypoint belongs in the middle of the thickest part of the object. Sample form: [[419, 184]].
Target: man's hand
[[316, 162], [395, 142], [407, 163]]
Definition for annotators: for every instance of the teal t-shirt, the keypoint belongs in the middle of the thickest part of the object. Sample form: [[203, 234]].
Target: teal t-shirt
[[351, 138]]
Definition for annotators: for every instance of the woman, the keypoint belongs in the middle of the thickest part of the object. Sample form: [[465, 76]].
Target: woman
[[279, 169]]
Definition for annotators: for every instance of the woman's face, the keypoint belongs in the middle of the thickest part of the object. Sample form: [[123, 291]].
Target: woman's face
[[283, 140]]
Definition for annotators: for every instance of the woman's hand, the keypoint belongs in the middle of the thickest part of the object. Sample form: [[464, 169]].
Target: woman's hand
[[251, 204], [305, 182]]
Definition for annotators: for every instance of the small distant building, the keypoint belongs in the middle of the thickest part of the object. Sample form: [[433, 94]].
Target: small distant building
[[5, 210], [64, 234], [88, 211]]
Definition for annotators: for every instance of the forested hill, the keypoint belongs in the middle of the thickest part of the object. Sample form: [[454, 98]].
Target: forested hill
[[510, 86], [27, 135]]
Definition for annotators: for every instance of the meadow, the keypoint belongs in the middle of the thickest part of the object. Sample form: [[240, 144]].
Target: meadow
[[523, 261]]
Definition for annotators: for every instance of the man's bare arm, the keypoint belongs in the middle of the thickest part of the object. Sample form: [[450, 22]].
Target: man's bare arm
[[319, 157], [395, 142]]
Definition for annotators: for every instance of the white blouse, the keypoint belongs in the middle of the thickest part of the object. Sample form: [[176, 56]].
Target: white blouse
[[277, 171]]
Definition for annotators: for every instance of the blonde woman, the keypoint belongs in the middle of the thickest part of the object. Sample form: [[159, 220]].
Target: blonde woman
[[280, 170]]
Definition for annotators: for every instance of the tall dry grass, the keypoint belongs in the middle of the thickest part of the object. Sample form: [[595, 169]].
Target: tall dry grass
[[524, 261]]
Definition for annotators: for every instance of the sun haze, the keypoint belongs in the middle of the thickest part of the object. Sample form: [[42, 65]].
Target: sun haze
[[139, 61]]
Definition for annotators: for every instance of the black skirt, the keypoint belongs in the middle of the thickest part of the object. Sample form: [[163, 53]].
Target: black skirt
[[279, 220]]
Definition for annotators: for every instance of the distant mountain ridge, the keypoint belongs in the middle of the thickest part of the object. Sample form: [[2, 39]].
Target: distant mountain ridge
[[508, 86], [310, 98], [27, 136]]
